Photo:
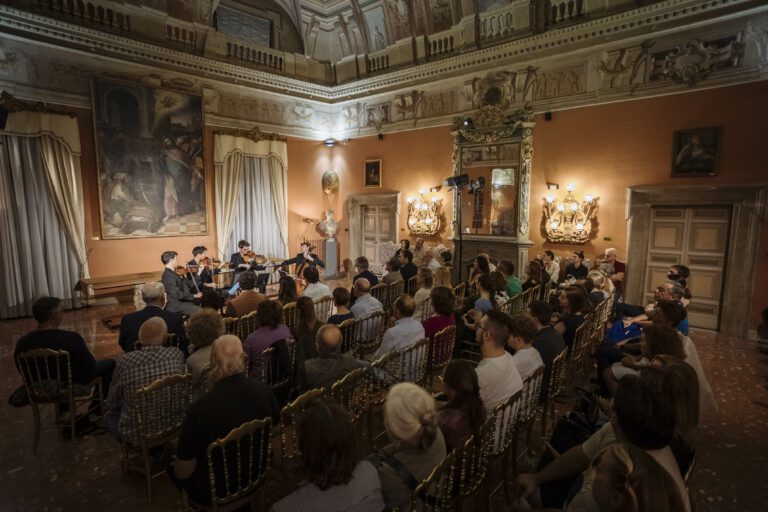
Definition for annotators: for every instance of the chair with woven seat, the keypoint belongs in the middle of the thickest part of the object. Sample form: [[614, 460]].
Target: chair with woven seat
[[440, 352], [237, 467], [324, 308], [47, 376], [287, 460], [291, 316], [369, 331], [158, 412]]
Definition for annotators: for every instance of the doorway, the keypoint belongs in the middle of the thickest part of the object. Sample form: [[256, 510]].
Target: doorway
[[697, 238], [373, 221]]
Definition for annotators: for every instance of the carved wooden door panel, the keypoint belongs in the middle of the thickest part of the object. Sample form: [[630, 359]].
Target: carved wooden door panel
[[698, 239]]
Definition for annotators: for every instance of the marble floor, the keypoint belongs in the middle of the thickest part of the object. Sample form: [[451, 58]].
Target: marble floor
[[87, 477]]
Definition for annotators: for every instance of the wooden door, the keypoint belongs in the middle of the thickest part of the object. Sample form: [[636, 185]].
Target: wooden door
[[378, 227], [698, 239]]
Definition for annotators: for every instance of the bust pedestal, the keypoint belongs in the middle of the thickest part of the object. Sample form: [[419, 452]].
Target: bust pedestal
[[331, 258]]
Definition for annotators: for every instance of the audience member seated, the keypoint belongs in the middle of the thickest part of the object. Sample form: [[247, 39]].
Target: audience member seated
[[514, 285], [480, 266], [341, 301], [49, 313], [430, 260], [153, 295], [330, 364], [486, 296], [639, 314], [137, 369], [425, 280], [315, 289], [203, 327], [306, 329], [361, 264], [234, 400], [499, 287], [447, 258], [418, 445], [407, 267], [497, 372], [491, 266], [442, 277], [464, 413], [658, 340], [576, 270], [418, 249], [443, 304], [271, 329], [286, 291], [336, 478], [551, 266], [365, 303], [614, 269], [393, 274], [603, 287], [248, 299], [676, 381], [405, 332], [573, 302], [546, 339], [211, 299], [535, 275], [405, 245], [526, 357], [679, 275], [641, 417]]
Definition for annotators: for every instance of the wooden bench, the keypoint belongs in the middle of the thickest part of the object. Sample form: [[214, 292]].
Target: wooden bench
[[88, 287]]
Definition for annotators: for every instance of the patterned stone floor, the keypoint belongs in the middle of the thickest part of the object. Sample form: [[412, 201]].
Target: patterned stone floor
[[87, 476]]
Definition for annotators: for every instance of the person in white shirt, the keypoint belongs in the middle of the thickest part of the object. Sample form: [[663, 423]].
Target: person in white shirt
[[406, 331], [315, 289], [497, 373], [526, 357], [425, 279], [365, 303], [551, 265], [431, 260]]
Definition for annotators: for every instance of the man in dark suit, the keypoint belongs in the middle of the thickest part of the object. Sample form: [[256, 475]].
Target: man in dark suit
[[305, 257], [238, 264], [407, 268], [154, 298], [179, 298], [200, 275]]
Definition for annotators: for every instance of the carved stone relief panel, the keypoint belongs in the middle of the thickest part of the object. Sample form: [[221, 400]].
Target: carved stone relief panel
[[409, 106], [756, 41], [496, 89], [554, 84], [696, 59], [440, 103], [252, 109], [623, 67]]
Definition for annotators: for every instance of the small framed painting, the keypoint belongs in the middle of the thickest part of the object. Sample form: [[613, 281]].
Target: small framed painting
[[372, 174], [696, 152]]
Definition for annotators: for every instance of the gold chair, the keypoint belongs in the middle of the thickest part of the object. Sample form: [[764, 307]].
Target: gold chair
[[527, 412], [529, 296], [352, 393], [439, 491], [460, 292], [440, 352], [232, 326], [412, 286], [158, 412], [348, 332], [378, 381], [368, 332], [278, 365], [555, 386], [379, 292], [237, 466], [425, 308], [407, 365], [247, 324], [516, 304], [501, 437], [291, 316], [47, 376], [324, 308], [396, 290], [287, 460], [547, 293], [171, 340]]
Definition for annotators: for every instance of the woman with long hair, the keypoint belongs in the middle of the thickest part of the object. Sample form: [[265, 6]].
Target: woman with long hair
[[575, 307], [576, 268], [464, 413], [443, 306], [306, 328], [480, 265], [486, 294], [535, 275], [500, 287], [425, 280], [271, 330], [287, 291]]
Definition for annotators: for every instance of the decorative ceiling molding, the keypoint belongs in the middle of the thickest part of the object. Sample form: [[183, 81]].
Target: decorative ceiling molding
[[12, 104]]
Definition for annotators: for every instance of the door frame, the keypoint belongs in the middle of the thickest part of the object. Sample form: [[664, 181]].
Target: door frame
[[748, 207], [355, 204]]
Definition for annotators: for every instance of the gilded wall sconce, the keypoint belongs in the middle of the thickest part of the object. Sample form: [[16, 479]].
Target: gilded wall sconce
[[569, 221], [424, 214]]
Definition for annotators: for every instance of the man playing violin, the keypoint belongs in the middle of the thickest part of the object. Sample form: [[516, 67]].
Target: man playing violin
[[201, 268], [306, 258], [179, 297], [244, 259]]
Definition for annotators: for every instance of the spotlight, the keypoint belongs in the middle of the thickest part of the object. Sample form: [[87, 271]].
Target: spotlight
[[467, 122], [460, 181], [330, 142]]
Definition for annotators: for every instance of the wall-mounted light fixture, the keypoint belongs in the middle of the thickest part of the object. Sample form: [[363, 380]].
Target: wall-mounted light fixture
[[330, 142], [569, 221], [424, 214]]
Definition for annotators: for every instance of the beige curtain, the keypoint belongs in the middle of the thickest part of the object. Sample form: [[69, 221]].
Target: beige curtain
[[228, 153], [60, 146]]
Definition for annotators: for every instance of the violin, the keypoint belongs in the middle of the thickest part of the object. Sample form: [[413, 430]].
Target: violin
[[182, 271], [251, 256], [207, 262]]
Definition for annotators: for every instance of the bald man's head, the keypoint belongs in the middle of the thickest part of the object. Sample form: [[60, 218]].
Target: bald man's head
[[405, 306], [362, 286], [328, 340], [153, 331], [227, 357]]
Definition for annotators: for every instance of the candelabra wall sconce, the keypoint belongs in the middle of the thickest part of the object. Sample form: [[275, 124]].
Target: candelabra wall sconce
[[424, 214], [569, 221]]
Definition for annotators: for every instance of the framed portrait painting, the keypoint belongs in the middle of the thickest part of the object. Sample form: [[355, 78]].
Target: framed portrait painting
[[149, 146], [372, 174], [696, 152]]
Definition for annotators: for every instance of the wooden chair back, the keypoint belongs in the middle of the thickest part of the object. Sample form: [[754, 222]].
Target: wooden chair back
[[160, 407], [278, 365], [504, 423], [47, 375], [529, 295], [291, 316], [324, 308], [352, 393], [289, 431], [440, 351], [247, 324], [531, 395], [238, 463], [348, 332], [379, 292], [369, 331], [412, 286]]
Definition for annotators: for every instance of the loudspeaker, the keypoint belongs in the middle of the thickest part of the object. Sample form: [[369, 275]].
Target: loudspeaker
[[547, 116], [3, 117]]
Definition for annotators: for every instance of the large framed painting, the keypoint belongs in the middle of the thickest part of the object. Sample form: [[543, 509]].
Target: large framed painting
[[696, 152], [149, 146]]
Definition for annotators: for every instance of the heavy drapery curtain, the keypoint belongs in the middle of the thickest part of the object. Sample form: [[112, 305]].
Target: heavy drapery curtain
[[38, 258], [251, 194]]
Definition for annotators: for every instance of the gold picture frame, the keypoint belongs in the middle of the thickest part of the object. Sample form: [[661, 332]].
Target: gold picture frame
[[372, 174]]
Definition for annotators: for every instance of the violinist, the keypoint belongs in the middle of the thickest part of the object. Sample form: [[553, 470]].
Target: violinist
[[245, 259], [179, 296], [201, 269], [306, 258]]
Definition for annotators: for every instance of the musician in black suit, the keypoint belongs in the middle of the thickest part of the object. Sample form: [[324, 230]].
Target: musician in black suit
[[238, 264], [154, 298], [179, 297], [200, 275], [305, 258]]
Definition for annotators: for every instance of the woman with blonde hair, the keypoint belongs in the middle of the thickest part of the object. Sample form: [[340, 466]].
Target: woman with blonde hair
[[418, 445], [443, 277], [426, 280]]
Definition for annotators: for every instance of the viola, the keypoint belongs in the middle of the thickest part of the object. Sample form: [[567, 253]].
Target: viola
[[182, 271]]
